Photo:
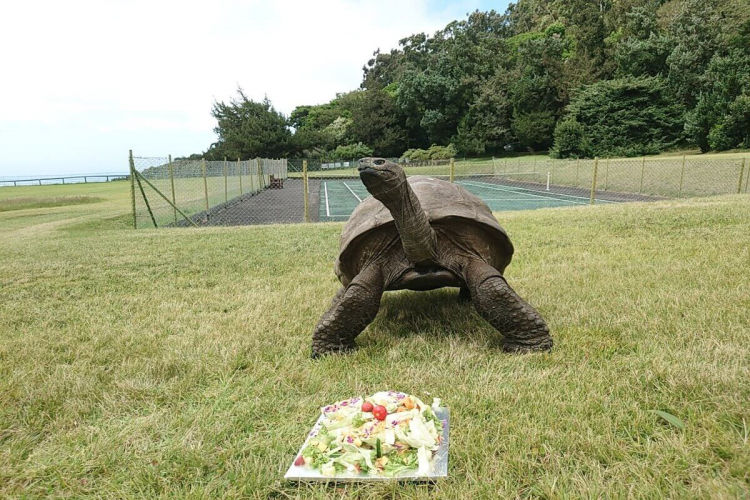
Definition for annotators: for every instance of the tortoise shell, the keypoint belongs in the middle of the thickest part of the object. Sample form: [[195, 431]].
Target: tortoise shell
[[445, 204]]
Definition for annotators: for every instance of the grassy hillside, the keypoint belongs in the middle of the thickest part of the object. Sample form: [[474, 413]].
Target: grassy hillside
[[175, 362]]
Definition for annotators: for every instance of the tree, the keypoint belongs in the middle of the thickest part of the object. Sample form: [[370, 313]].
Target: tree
[[249, 129], [352, 152], [627, 116], [486, 125], [726, 83], [493, 79], [376, 120], [534, 129], [570, 140], [641, 49]]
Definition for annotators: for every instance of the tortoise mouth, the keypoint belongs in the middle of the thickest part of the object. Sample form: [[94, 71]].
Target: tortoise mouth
[[371, 177]]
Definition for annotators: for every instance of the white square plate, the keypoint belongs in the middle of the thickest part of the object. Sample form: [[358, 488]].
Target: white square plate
[[438, 466]]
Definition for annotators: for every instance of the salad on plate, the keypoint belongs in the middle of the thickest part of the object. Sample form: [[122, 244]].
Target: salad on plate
[[380, 435]]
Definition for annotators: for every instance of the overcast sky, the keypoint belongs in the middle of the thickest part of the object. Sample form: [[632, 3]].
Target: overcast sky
[[84, 81]]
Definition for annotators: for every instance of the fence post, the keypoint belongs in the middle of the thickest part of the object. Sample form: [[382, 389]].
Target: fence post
[[643, 171], [494, 167], [239, 170], [606, 175], [682, 176], [453, 169], [578, 163], [226, 183], [505, 169], [747, 178], [171, 180], [742, 172], [138, 178], [132, 186], [205, 183], [593, 180], [252, 181], [304, 191]]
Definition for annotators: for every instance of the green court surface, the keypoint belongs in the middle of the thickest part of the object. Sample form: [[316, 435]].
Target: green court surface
[[339, 197]]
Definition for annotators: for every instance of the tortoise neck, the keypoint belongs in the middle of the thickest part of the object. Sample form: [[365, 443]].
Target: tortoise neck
[[417, 236]]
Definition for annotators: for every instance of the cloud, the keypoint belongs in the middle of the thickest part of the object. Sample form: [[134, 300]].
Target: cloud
[[90, 68]]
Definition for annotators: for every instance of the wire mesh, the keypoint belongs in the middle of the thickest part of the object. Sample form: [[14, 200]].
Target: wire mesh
[[200, 192], [270, 191]]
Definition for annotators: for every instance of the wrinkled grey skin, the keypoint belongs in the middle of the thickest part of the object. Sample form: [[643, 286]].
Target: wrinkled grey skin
[[459, 243]]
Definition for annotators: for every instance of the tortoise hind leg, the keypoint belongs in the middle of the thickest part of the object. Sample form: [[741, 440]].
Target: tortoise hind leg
[[523, 328], [353, 308]]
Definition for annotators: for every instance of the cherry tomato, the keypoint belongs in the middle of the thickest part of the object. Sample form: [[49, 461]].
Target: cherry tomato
[[380, 412], [367, 406], [300, 461]]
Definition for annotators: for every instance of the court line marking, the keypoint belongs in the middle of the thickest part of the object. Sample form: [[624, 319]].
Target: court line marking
[[520, 199], [328, 210], [523, 190], [484, 185], [350, 190]]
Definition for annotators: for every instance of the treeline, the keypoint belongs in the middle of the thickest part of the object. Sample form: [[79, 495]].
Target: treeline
[[577, 77]]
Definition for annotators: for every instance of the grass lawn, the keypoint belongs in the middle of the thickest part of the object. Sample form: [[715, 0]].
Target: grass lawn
[[175, 362]]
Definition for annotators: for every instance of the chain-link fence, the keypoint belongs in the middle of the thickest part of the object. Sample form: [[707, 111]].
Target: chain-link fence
[[266, 191], [168, 192]]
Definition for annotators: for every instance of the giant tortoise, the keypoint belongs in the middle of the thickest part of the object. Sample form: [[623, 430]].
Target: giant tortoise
[[421, 234]]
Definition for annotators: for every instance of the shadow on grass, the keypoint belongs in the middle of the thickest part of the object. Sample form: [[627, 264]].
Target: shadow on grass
[[436, 313]]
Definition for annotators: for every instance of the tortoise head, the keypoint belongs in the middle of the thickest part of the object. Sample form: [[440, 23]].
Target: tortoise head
[[383, 178]]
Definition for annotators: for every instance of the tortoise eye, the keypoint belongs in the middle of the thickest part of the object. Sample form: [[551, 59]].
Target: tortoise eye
[[379, 162]]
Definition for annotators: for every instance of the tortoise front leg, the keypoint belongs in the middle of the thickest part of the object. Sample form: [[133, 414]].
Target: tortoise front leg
[[523, 328], [353, 308]]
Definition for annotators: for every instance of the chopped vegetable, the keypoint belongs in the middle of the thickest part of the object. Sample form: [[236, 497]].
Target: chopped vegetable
[[380, 412], [383, 434]]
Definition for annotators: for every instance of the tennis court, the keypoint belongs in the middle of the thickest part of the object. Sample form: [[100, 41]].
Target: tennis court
[[339, 197]]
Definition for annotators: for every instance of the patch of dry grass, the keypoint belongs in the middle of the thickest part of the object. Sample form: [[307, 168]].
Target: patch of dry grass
[[29, 202]]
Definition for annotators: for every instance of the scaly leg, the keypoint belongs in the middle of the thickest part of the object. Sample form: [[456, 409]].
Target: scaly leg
[[353, 308], [523, 328]]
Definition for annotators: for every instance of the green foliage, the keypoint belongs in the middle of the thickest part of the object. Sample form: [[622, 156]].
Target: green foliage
[[249, 129], [670, 419], [534, 129], [352, 151], [717, 121], [570, 140], [434, 152], [641, 49], [732, 130], [493, 79], [376, 120], [626, 117]]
